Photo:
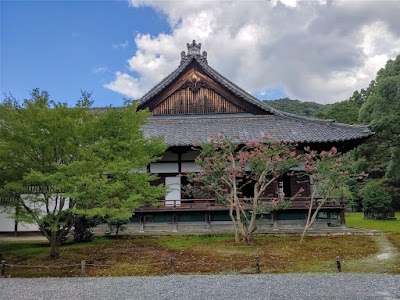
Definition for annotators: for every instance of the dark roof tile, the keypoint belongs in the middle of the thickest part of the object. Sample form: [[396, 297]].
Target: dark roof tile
[[184, 130]]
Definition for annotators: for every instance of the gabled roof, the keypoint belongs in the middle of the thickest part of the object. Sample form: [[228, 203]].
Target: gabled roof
[[183, 130], [194, 55]]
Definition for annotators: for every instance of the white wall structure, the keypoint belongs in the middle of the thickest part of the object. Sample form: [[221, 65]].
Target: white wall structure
[[174, 191], [164, 167], [7, 223]]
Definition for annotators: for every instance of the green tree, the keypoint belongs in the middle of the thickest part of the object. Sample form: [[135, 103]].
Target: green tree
[[57, 162], [347, 111], [329, 174], [226, 166], [375, 198], [381, 110]]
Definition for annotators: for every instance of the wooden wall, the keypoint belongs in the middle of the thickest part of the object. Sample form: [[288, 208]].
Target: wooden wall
[[203, 101]]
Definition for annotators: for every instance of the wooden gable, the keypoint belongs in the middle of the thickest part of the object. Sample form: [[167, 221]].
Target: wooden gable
[[195, 88], [194, 92]]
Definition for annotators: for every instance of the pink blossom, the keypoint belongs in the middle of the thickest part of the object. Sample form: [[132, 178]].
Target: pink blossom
[[310, 168], [334, 150], [275, 202]]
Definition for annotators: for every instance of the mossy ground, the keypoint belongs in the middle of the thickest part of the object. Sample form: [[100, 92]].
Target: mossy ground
[[213, 254]]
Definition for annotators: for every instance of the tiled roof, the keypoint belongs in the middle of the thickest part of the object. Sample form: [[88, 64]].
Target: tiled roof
[[184, 130]]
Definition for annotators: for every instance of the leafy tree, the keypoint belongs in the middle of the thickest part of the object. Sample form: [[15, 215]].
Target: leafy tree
[[82, 228], [116, 225], [380, 155], [375, 197], [347, 111], [57, 162], [329, 173], [227, 166], [381, 109]]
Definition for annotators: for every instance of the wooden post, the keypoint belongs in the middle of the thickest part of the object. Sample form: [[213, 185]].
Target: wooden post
[[342, 217], [172, 265], [208, 221], [141, 226], [174, 223], [83, 268], [339, 266], [274, 216], [3, 268], [257, 259]]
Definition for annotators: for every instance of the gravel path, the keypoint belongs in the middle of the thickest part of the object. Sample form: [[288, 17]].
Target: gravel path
[[249, 287]]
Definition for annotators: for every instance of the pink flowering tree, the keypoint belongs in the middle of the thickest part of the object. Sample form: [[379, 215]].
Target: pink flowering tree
[[227, 166], [328, 172]]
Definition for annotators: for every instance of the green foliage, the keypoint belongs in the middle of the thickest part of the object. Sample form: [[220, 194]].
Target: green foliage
[[375, 198], [381, 109], [59, 161], [227, 165], [116, 225], [308, 109], [347, 111], [82, 229]]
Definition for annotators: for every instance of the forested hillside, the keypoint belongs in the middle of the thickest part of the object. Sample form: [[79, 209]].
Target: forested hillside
[[308, 109]]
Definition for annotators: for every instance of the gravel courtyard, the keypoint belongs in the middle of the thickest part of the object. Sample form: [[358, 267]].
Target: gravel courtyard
[[292, 286]]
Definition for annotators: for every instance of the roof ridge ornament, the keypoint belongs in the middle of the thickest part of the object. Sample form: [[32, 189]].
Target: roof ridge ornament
[[193, 51]]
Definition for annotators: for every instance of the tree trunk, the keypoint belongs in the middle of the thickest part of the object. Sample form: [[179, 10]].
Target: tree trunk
[[55, 244], [311, 217]]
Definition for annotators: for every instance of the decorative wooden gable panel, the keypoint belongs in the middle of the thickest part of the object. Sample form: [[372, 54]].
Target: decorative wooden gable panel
[[195, 93], [195, 88], [200, 101]]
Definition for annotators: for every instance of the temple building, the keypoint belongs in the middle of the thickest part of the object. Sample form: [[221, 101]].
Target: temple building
[[195, 102]]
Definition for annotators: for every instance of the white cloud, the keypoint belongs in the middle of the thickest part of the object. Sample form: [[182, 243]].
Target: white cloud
[[99, 70], [121, 45], [127, 85], [314, 50]]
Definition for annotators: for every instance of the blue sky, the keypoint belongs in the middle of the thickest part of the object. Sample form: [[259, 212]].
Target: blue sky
[[308, 50], [63, 47]]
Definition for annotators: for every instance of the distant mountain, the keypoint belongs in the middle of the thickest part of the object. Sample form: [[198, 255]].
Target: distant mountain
[[308, 109]]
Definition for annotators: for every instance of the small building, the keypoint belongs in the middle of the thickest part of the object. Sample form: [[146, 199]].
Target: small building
[[195, 102]]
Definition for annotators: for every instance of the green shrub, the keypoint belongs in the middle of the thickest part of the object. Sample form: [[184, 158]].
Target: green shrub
[[375, 197]]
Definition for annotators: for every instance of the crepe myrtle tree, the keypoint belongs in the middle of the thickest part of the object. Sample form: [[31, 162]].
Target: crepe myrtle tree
[[58, 162], [226, 165], [329, 173]]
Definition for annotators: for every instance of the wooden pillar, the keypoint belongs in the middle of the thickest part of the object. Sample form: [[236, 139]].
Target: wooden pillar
[[274, 215], [174, 223], [141, 226], [208, 220], [342, 218]]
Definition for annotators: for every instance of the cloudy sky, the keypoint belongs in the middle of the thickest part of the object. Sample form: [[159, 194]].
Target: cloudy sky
[[308, 50]]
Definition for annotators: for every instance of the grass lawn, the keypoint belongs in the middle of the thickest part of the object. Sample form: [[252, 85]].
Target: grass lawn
[[356, 219], [210, 254], [192, 255]]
